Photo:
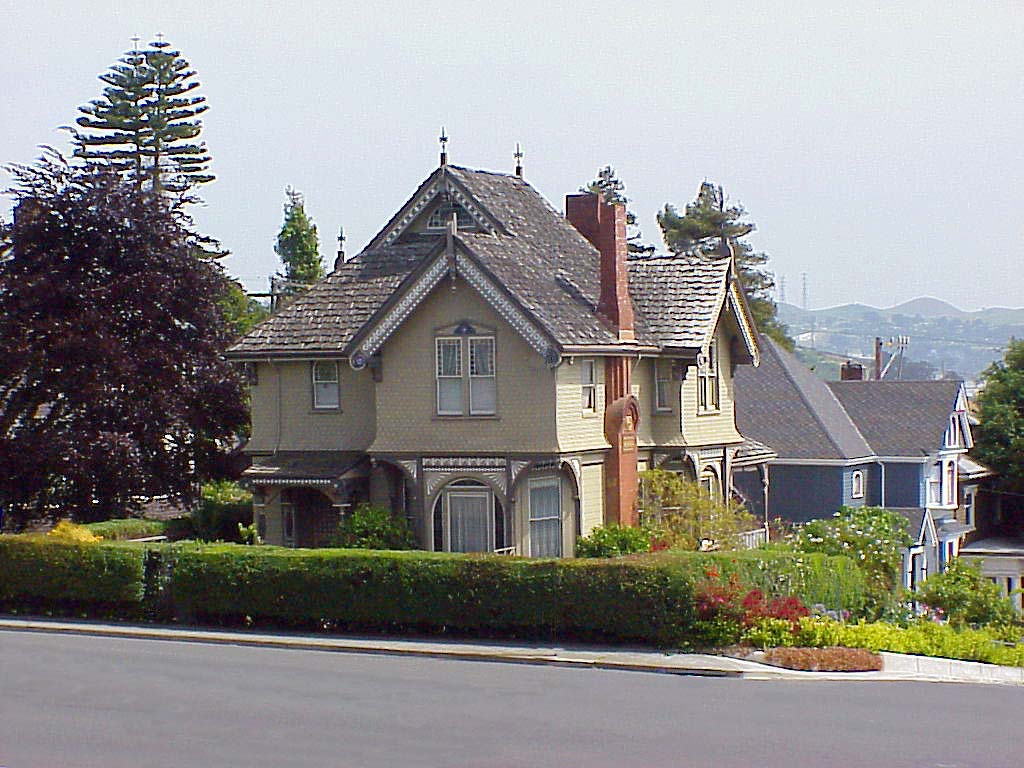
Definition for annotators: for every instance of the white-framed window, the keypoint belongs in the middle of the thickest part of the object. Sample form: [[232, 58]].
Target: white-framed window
[[482, 387], [588, 384], [662, 385], [707, 381], [545, 517], [857, 481], [969, 501], [449, 376], [949, 484], [326, 390], [463, 389]]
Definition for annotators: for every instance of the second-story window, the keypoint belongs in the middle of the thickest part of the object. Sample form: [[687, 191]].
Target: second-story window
[[707, 381], [482, 388], [949, 486], [662, 384], [588, 385], [449, 377], [326, 391], [466, 389]]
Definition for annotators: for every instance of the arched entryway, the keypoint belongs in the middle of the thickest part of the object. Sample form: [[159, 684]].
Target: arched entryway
[[469, 517]]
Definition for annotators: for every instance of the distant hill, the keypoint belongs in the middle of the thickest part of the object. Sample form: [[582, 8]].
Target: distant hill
[[941, 335]]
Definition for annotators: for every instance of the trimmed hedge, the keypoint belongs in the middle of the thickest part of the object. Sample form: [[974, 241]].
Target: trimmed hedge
[[640, 599], [434, 592], [40, 574], [128, 528]]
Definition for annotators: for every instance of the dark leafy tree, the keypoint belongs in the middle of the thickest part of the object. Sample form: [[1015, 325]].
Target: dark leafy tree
[[112, 383], [146, 123], [298, 244], [613, 190], [701, 229], [1000, 435]]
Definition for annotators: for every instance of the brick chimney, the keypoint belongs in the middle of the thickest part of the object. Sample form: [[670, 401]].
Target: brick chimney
[[604, 225]]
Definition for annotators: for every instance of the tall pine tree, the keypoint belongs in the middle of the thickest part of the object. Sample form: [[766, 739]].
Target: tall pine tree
[[613, 190], [700, 231], [146, 123], [298, 244]]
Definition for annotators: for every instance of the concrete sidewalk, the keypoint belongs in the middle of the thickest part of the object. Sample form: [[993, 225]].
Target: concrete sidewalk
[[897, 667]]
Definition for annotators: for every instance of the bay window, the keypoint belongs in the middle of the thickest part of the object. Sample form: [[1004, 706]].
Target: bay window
[[545, 517]]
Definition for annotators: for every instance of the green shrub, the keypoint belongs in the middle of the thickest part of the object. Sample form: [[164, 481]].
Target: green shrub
[[46, 574], [224, 504], [613, 540], [769, 633], [483, 595], [128, 528], [370, 527], [873, 537], [923, 638], [833, 583], [965, 596]]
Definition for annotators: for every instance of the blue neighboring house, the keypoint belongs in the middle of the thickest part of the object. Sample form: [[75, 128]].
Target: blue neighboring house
[[895, 444]]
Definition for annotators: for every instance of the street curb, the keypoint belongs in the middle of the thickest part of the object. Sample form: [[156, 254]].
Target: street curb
[[368, 647], [896, 667]]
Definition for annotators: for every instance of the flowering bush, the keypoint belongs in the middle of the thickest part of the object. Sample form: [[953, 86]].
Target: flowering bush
[[728, 612], [964, 596]]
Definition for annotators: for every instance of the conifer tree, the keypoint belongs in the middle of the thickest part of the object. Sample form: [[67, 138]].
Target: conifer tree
[[700, 231], [146, 123], [298, 244], [613, 190]]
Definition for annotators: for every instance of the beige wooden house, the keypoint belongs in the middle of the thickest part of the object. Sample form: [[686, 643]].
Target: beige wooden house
[[495, 371]]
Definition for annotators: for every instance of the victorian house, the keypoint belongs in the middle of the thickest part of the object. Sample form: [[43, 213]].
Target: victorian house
[[497, 372]]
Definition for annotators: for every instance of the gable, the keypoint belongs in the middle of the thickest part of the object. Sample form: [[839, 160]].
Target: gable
[[456, 263]]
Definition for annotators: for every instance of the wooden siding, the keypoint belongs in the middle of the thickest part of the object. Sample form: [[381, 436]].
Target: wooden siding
[[579, 430], [716, 428], [592, 497], [288, 386], [406, 397]]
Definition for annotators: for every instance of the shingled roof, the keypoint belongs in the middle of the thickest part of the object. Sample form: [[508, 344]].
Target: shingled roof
[[530, 250], [678, 296], [785, 405], [900, 418]]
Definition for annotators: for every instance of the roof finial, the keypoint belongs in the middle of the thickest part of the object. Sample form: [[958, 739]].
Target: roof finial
[[340, 260], [444, 147], [519, 161]]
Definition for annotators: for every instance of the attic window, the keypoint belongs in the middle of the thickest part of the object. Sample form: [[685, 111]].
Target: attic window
[[439, 218]]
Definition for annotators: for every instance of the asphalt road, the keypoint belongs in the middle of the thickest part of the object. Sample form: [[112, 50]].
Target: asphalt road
[[86, 701]]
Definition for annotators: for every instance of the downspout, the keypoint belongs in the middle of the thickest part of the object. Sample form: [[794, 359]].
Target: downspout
[[881, 499]]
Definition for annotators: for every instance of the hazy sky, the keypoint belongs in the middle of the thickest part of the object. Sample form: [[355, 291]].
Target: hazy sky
[[877, 147]]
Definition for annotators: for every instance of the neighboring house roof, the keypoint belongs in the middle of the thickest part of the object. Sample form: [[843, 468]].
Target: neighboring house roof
[[900, 418], [785, 405], [970, 469], [752, 453], [1013, 547], [532, 262], [303, 467], [915, 517]]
